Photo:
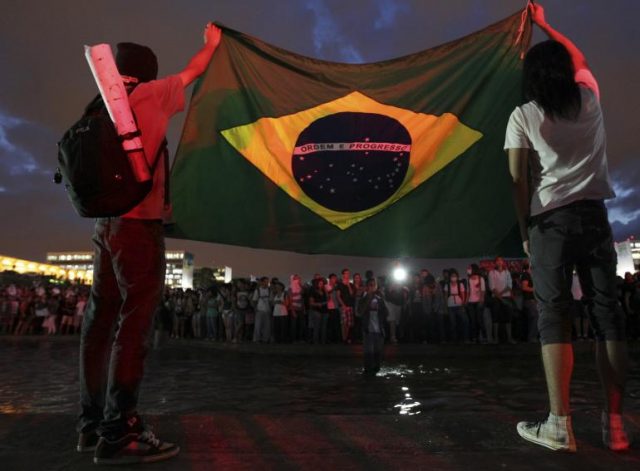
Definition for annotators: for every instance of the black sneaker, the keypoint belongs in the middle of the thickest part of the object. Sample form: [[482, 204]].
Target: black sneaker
[[134, 448], [87, 441]]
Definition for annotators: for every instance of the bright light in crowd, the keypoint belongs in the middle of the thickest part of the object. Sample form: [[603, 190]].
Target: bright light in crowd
[[399, 274]]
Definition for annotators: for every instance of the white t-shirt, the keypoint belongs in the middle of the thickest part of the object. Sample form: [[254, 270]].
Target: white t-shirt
[[279, 309], [499, 281], [570, 159], [261, 299]]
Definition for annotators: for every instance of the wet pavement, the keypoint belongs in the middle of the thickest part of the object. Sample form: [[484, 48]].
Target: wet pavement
[[255, 407]]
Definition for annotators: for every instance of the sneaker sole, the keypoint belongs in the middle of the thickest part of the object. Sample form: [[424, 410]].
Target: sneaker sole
[[137, 459], [85, 449], [618, 448], [547, 445]]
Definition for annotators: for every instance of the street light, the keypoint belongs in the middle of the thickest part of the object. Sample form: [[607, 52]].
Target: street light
[[399, 273]]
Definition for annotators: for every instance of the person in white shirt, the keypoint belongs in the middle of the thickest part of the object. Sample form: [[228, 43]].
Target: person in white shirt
[[261, 301], [502, 305], [456, 296], [558, 163]]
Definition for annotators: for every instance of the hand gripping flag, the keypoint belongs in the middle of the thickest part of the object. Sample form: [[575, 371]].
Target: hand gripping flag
[[396, 158]]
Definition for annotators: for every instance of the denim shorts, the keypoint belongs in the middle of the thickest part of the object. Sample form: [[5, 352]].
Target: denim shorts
[[575, 237]]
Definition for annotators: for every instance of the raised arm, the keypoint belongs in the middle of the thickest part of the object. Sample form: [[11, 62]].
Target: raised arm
[[537, 15], [199, 62]]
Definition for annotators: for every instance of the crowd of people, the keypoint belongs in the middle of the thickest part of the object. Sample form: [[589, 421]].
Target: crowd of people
[[492, 302], [31, 306]]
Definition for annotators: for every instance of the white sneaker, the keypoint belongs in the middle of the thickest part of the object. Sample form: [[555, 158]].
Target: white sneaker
[[555, 433], [613, 434]]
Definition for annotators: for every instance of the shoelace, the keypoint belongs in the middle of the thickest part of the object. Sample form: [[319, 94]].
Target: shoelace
[[539, 424], [148, 437]]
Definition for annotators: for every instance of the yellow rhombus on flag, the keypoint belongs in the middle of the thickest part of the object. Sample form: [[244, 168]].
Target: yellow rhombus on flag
[[270, 145]]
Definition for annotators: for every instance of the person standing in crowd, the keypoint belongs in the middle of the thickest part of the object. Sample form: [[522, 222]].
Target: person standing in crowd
[[318, 311], [297, 312], [475, 304], [177, 304], [414, 331], [228, 317], [241, 311], [359, 291], [53, 309], [529, 302], [129, 272], [502, 306], [280, 301], [211, 304], [333, 327], [373, 311], [261, 302], [81, 305], [456, 296], [67, 309], [558, 138], [346, 300], [444, 279], [26, 313], [163, 320], [433, 307], [395, 298], [192, 313], [13, 307]]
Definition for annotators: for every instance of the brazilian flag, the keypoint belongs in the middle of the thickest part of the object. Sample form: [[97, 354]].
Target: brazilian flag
[[396, 158]]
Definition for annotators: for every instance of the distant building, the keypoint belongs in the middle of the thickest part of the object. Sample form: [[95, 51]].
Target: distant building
[[56, 271], [179, 272], [635, 252], [628, 253], [222, 274]]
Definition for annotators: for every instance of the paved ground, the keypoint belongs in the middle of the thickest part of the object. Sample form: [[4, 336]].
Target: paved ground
[[256, 407]]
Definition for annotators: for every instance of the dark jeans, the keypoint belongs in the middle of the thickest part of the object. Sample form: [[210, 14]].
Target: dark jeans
[[212, 326], [373, 348], [459, 324], [318, 322], [299, 325], [434, 322], [575, 236], [333, 326], [127, 287], [281, 328], [476, 320], [502, 310]]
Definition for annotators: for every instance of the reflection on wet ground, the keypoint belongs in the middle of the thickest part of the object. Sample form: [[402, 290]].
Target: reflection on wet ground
[[190, 377], [303, 407]]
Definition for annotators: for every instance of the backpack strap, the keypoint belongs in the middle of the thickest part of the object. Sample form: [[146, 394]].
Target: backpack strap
[[167, 187]]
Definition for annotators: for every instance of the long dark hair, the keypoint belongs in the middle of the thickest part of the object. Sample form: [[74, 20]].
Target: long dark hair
[[548, 79]]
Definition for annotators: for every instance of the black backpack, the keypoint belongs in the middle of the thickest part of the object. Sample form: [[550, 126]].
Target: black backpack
[[96, 170]]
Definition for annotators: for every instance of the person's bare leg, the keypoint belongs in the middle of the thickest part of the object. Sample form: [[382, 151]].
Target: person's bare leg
[[557, 359], [612, 363]]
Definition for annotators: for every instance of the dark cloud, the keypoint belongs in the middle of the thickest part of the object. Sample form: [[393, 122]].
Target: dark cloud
[[46, 82], [622, 231], [624, 210]]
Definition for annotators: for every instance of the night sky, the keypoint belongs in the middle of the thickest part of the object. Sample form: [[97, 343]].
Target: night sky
[[46, 82]]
